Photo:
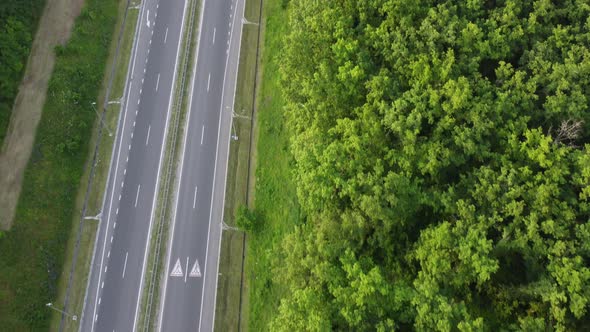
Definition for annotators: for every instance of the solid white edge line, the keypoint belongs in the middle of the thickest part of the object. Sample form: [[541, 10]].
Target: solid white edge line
[[171, 239], [159, 169], [215, 173]]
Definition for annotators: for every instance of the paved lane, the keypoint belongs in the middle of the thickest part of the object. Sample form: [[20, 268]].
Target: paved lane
[[119, 260], [188, 300]]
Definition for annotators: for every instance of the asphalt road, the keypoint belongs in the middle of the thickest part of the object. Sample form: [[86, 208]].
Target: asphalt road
[[119, 261], [190, 284]]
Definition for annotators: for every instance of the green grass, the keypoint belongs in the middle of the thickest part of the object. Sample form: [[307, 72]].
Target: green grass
[[230, 261], [275, 192], [33, 251], [95, 195]]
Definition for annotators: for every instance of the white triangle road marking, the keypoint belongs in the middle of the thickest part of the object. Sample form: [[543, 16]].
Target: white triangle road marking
[[177, 270], [196, 270]]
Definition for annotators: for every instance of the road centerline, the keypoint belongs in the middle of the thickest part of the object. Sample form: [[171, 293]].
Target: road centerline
[[186, 270]]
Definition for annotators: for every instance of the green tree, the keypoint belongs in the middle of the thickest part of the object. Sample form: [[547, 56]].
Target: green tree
[[442, 163]]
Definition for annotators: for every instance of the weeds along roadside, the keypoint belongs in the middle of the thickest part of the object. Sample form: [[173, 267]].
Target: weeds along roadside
[[275, 200]]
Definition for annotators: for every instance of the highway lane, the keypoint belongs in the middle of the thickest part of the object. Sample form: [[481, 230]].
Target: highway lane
[[188, 299], [118, 266]]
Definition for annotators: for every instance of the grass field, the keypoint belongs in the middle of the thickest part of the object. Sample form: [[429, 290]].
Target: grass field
[[55, 28], [33, 252], [275, 193]]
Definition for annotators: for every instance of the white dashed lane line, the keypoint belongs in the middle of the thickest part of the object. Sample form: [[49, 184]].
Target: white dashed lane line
[[137, 195], [125, 265]]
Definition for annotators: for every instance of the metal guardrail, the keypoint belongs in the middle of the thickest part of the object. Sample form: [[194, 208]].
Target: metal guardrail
[[170, 166]]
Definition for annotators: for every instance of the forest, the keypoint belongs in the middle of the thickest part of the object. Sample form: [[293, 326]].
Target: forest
[[18, 23], [442, 162]]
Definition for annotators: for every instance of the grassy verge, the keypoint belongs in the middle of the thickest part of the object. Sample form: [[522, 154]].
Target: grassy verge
[[227, 317], [276, 201], [33, 252], [274, 195], [98, 185]]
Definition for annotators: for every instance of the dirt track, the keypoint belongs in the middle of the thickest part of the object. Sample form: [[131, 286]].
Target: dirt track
[[54, 28]]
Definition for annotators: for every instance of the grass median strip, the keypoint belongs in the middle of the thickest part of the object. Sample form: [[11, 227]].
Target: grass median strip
[[157, 254]]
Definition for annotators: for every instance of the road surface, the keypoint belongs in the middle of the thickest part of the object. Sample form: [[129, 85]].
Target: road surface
[[190, 284], [119, 261]]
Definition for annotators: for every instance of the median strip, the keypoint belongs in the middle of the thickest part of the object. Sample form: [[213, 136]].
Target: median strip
[[149, 299]]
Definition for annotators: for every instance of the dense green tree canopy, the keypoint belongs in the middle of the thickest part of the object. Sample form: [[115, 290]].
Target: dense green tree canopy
[[443, 162], [18, 21]]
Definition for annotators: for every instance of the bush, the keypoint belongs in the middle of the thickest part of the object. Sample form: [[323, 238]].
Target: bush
[[18, 22], [246, 219]]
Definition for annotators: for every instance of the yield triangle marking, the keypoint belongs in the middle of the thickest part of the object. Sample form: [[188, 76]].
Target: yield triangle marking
[[177, 270], [196, 270]]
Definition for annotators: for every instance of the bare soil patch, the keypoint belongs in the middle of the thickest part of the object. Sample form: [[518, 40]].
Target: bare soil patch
[[54, 29]]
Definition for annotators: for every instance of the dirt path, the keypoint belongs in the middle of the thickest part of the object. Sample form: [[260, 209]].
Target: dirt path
[[54, 28]]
